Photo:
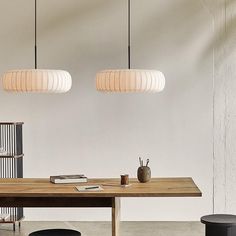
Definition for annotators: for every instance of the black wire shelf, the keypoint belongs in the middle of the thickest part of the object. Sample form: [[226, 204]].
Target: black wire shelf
[[11, 165]]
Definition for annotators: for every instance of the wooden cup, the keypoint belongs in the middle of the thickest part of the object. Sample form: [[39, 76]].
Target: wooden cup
[[124, 179]]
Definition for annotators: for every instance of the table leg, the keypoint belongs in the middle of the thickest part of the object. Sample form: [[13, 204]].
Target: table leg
[[115, 216]]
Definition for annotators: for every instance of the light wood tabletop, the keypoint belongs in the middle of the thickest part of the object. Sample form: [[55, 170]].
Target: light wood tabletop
[[41, 193], [157, 187]]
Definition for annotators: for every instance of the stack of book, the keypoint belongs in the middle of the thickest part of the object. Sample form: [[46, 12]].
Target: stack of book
[[68, 179]]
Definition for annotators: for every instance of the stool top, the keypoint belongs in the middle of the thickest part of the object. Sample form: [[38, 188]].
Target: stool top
[[56, 232], [219, 220]]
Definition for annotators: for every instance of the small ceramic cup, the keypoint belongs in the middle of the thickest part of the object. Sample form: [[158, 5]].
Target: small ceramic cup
[[144, 174]]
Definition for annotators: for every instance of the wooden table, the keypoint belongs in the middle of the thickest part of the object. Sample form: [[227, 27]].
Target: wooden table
[[41, 193]]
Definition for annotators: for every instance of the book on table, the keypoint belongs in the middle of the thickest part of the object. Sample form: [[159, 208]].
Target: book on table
[[68, 179]]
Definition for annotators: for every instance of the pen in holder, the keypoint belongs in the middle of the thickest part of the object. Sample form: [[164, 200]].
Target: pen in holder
[[144, 172]]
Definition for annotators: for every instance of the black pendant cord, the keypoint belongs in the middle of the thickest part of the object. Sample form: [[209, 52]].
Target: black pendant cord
[[35, 34], [129, 56]]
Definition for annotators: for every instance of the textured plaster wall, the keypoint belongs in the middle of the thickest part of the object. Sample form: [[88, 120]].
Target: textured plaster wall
[[224, 105], [102, 135]]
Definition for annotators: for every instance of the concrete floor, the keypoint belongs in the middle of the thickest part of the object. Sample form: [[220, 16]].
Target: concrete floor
[[104, 228]]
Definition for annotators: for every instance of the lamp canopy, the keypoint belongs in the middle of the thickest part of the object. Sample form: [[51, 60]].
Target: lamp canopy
[[36, 80], [130, 80]]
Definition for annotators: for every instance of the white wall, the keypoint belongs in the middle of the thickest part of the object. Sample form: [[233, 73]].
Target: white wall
[[102, 135]]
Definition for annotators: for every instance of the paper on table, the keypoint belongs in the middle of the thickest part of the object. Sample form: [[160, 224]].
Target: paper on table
[[89, 188]]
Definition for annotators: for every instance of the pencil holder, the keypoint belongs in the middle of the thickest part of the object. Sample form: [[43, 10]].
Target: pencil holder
[[144, 174]]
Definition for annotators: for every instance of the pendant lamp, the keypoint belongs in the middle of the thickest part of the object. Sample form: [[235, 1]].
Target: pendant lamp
[[37, 80], [130, 80]]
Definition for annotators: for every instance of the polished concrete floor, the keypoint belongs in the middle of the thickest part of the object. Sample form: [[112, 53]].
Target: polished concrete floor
[[104, 228]]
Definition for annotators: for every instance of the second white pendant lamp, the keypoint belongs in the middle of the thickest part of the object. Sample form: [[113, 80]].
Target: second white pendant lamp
[[130, 80], [37, 80]]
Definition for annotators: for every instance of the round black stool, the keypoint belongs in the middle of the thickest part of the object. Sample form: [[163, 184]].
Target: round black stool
[[219, 225], [56, 232]]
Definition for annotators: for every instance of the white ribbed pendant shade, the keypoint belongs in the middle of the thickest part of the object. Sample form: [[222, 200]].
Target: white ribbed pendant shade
[[130, 80], [37, 80]]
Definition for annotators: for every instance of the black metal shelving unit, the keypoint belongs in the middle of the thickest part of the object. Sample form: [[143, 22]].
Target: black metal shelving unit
[[11, 164]]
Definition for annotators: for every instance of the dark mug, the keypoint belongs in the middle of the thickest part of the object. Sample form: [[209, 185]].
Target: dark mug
[[124, 179], [144, 174]]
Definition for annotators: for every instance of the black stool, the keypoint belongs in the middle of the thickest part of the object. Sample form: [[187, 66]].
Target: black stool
[[56, 232], [219, 225]]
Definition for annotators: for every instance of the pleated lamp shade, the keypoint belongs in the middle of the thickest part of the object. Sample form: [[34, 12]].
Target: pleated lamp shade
[[37, 80], [130, 80]]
